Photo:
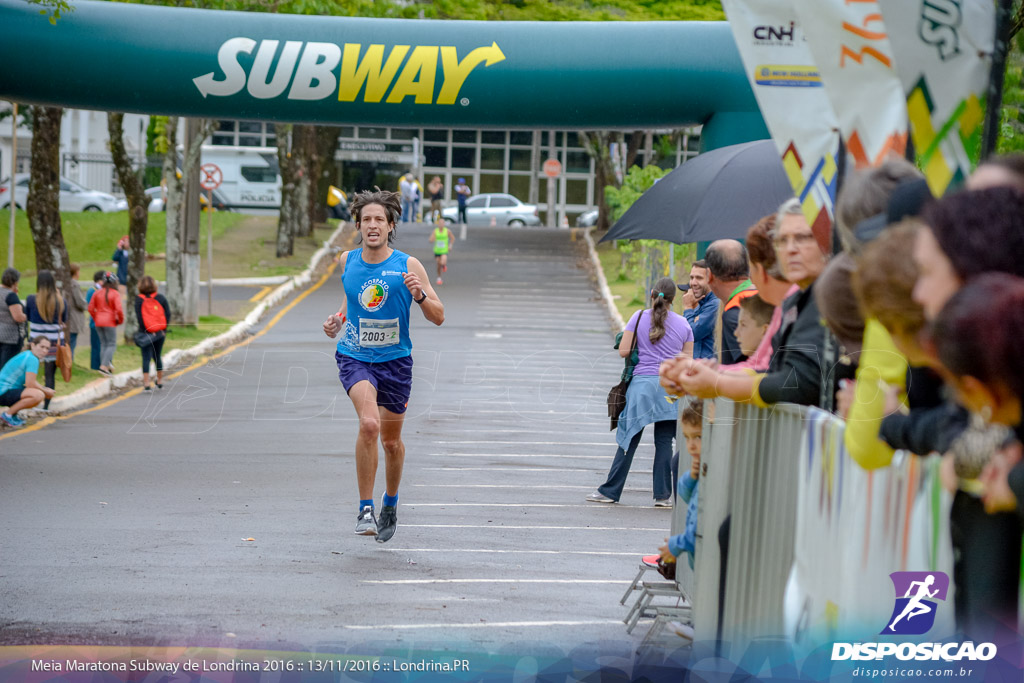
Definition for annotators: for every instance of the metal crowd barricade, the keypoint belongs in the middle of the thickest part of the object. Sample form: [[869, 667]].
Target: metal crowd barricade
[[749, 476]]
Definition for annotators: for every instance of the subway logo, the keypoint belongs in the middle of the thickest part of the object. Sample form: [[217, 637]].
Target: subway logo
[[309, 71]]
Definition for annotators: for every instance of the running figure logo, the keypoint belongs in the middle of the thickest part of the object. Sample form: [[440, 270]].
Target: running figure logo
[[914, 613]]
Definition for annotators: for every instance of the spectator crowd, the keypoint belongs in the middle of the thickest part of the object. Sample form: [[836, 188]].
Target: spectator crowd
[[907, 327], [31, 331]]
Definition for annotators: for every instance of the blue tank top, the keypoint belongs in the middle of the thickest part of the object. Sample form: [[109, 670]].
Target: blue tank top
[[377, 312]]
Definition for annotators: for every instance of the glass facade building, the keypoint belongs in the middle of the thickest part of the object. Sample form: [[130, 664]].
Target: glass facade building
[[489, 160]]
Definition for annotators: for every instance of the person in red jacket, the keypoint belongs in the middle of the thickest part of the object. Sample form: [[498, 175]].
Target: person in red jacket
[[152, 311], [107, 313]]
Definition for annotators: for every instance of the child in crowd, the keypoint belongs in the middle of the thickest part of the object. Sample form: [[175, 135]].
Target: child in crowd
[[687, 487], [19, 387], [755, 314]]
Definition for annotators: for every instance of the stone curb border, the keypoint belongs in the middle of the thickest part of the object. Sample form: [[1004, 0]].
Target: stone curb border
[[602, 282], [238, 331]]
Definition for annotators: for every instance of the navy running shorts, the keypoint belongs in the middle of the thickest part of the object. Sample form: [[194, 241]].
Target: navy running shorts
[[10, 397], [392, 379]]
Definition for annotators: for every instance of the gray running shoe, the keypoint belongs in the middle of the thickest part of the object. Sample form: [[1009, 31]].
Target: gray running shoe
[[366, 523], [598, 497], [663, 503], [388, 523]]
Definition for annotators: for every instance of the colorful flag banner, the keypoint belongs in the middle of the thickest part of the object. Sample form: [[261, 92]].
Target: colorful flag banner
[[943, 58], [793, 102], [849, 43], [854, 527]]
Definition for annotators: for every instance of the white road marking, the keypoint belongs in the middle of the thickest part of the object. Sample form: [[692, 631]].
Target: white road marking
[[394, 582], [518, 455], [603, 553], [525, 505], [534, 442], [533, 528], [483, 624], [518, 469]]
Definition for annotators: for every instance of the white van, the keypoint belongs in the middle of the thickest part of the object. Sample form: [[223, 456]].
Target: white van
[[251, 176]]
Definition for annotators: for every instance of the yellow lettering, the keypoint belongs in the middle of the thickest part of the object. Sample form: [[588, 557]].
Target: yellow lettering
[[354, 73], [456, 72], [417, 77]]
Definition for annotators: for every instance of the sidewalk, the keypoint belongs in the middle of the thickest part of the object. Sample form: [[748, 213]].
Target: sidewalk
[[287, 285]]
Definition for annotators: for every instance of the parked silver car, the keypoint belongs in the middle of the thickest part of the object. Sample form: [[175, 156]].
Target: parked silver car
[[73, 197], [587, 219], [503, 209]]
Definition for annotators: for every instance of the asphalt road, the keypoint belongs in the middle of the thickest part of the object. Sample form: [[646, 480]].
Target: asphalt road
[[219, 511]]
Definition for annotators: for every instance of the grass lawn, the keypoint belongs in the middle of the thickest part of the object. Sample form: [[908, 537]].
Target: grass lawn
[[129, 357], [625, 290], [243, 245]]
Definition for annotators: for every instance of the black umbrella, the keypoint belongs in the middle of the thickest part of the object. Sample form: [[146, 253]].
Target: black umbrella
[[716, 195]]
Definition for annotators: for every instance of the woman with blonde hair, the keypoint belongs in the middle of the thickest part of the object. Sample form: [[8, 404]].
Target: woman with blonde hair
[[47, 315]]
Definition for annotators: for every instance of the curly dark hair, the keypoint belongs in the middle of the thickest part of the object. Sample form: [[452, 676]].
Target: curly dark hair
[[993, 302], [980, 230], [389, 201]]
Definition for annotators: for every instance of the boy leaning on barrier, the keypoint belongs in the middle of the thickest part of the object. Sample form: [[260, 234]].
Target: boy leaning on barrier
[[692, 420]]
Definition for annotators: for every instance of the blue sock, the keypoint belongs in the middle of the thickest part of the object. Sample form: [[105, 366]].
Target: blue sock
[[364, 503], [390, 500]]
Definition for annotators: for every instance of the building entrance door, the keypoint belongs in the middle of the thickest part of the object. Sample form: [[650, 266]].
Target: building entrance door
[[357, 176]]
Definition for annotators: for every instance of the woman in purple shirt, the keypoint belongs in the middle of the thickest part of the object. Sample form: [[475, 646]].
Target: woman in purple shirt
[[661, 334]]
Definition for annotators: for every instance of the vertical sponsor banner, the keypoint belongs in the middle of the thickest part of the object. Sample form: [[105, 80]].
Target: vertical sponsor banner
[[854, 527], [849, 43], [943, 58], [792, 100]]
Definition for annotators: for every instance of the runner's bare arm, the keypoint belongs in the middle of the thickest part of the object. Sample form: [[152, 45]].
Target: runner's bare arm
[[333, 323], [419, 284], [431, 238]]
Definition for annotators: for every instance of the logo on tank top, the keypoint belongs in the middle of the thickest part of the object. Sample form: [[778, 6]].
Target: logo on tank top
[[373, 294]]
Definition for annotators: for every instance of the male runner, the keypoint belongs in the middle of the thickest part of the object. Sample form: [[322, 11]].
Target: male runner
[[374, 353], [442, 238]]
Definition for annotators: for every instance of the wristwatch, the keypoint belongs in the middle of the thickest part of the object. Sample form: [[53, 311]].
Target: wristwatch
[[422, 298]]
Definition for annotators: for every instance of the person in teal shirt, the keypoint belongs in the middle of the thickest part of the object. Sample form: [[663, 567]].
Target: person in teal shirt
[[19, 388]]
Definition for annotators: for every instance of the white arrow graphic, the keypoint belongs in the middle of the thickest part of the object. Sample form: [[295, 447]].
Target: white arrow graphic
[[234, 74]]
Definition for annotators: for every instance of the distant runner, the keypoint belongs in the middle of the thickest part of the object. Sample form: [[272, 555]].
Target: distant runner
[[442, 238], [374, 354]]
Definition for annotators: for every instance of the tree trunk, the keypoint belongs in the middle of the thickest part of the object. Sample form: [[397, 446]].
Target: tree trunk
[[182, 267], [43, 203], [323, 170], [636, 141], [597, 144], [304, 153], [173, 210], [287, 219], [138, 217]]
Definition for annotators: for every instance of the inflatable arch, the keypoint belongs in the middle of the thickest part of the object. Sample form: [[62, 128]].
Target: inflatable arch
[[387, 72]]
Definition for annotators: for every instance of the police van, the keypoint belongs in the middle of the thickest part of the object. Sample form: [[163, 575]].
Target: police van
[[251, 176]]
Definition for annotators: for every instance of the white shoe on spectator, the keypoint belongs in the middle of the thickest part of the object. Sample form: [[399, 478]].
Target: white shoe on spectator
[[682, 630]]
